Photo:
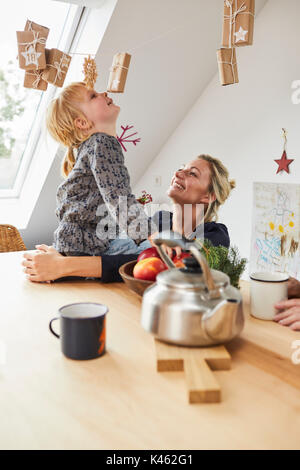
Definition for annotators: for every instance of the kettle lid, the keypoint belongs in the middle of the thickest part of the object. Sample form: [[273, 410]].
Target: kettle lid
[[190, 277]]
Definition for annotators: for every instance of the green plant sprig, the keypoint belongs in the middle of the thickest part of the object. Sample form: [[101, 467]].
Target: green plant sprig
[[223, 259]]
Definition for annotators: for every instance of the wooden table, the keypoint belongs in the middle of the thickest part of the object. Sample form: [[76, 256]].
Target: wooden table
[[119, 401]]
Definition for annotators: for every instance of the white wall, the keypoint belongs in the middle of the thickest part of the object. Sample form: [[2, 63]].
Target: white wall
[[43, 221], [241, 124]]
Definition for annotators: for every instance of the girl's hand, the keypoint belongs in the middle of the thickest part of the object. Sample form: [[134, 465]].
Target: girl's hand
[[44, 265], [166, 248], [289, 313]]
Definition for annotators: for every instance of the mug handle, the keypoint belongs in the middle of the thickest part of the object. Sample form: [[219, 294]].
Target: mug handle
[[51, 329]]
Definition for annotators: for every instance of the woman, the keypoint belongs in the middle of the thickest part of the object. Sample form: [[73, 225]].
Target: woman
[[204, 182]]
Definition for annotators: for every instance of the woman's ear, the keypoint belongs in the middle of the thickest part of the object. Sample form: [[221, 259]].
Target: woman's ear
[[208, 198], [82, 124], [212, 197]]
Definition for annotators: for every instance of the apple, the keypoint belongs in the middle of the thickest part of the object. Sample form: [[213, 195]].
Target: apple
[[178, 261], [148, 268], [148, 253]]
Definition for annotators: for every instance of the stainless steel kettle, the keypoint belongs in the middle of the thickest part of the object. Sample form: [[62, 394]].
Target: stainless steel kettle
[[191, 306]]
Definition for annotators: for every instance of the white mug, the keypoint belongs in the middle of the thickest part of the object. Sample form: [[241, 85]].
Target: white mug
[[266, 289]]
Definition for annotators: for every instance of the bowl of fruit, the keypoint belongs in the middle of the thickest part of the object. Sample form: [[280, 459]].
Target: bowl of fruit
[[140, 274]]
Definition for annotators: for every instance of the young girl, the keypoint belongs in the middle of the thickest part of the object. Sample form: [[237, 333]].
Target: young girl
[[96, 176]]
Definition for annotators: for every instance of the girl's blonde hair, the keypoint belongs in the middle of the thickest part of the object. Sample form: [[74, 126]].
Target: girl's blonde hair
[[220, 186], [60, 122]]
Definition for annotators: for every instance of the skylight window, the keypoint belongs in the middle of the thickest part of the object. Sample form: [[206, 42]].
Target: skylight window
[[18, 105]]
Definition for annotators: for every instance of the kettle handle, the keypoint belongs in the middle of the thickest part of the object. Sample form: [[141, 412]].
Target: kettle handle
[[179, 240], [208, 279], [165, 257]]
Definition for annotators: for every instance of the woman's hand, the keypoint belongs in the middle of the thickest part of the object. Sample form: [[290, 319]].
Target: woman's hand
[[289, 313], [44, 265], [166, 248]]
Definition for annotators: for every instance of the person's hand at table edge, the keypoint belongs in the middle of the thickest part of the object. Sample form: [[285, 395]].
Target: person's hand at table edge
[[44, 265], [47, 264], [288, 313]]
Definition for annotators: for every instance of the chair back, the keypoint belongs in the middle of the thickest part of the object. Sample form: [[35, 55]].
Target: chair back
[[10, 239]]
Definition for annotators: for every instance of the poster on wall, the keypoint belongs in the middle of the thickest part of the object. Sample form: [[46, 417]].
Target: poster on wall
[[275, 241]]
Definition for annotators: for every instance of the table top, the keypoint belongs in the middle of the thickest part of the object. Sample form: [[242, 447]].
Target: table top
[[119, 401]]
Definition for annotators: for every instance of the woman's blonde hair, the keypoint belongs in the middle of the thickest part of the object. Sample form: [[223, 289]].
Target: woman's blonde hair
[[220, 186], [60, 122]]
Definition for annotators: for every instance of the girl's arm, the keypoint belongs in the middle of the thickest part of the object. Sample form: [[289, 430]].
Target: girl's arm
[[113, 181]]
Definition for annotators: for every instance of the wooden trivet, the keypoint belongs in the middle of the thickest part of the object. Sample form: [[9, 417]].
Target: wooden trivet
[[197, 364]]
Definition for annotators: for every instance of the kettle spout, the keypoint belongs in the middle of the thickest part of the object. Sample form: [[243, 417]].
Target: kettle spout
[[225, 321]]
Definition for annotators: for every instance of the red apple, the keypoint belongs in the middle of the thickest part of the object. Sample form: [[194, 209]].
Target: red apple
[[148, 253], [178, 261], [148, 268]]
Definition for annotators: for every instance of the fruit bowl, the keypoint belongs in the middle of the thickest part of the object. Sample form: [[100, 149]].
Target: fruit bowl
[[136, 285]]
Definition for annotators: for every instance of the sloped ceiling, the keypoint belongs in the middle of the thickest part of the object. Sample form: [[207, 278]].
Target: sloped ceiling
[[173, 45]]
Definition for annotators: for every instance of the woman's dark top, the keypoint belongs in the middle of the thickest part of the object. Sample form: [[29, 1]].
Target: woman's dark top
[[213, 231]]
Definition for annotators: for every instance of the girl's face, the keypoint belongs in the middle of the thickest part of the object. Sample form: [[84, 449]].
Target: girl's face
[[190, 184], [98, 108]]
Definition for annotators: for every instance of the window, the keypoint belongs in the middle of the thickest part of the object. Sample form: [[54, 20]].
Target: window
[[81, 33], [20, 119]]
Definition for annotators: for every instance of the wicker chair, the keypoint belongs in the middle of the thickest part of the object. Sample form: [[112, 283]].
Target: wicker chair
[[10, 239]]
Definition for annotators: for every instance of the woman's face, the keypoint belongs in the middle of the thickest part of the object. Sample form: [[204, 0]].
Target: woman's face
[[98, 108], [190, 184]]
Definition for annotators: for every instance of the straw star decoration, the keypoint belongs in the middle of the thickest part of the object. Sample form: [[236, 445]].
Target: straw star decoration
[[90, 72]]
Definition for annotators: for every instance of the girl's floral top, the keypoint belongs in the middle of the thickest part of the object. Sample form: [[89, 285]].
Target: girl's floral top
[[88, 206]]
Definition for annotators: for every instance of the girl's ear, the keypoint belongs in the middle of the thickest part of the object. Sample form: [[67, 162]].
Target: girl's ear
[[81, 123]]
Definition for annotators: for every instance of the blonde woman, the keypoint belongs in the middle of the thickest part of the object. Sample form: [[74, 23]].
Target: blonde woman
[[202, 182]]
